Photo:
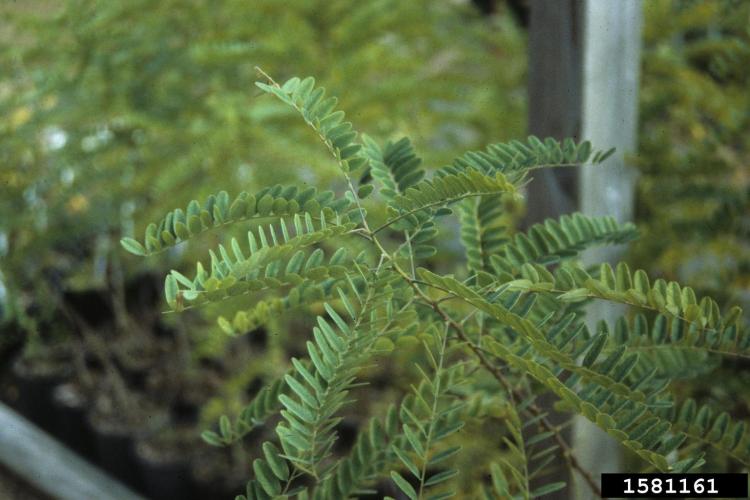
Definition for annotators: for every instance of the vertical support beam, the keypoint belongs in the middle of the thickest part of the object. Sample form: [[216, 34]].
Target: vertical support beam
[[584, 59], [612, 30], [611, 69], [554, 85]]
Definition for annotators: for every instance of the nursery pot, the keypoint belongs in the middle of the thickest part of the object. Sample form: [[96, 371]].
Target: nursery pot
[[214, 476], [165, 470], [113, 444], [11, 342], [34, 380], [116, 430], [71, 405]]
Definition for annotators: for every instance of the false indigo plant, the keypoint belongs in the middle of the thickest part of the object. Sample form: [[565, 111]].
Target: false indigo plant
[[504, 328]]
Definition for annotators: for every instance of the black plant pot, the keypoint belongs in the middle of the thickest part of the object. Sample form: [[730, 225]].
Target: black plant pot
[[114, 446], [215, 489], [71, 406], [34, 384], [11, 343], [164, 478], [212, 478]]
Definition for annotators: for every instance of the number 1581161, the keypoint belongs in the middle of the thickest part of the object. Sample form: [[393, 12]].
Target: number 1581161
[[674, 485], [656, 486]]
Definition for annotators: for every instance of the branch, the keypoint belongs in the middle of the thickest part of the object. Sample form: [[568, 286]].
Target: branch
[[514, 393]]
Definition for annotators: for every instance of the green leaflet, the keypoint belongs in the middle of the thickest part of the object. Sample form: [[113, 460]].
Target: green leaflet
[[671, 346], [278, 201], [318, 112], [515, 158], [440, 191], [369, 458], [667, 298], [271, 262], [717, 430], [314, 392], [516, 479], [303, 295], [482, 230], [395, 167], [133, 246], [435, 417], [555, 240], [263, 406]]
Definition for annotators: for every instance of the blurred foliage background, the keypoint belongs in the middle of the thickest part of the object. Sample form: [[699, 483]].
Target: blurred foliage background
[[116, 107], [694, 147], [115, 111], [693, 198]]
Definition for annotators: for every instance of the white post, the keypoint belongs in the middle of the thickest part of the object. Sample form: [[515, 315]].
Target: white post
[[611, 64]]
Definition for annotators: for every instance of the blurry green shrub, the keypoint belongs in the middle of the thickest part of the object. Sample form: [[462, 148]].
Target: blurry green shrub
[[694, 190], [111, 106], [695, 193]]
